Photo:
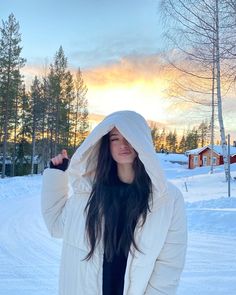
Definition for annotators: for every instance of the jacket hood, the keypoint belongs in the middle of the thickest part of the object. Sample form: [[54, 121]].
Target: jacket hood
[[136, 131]]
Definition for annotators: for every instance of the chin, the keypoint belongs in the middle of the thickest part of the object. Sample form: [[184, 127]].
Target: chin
[[125, 161]]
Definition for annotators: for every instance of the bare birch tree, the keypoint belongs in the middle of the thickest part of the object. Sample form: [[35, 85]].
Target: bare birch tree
[[200, 34]]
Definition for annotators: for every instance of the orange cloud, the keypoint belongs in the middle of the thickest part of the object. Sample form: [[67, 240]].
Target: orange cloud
[[129, 70], [143, 84], [136, 83]]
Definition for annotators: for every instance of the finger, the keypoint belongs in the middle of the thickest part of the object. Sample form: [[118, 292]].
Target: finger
[[64, 154], [54, 161], [57, 160]]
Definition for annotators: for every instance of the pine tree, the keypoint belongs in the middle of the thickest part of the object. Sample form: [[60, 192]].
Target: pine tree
[[65, 129], [155, 137], [174, 142], [192, 139], [163, 140], [80, 110], [24, 132], [10, 78], [182, 145], [204, 133], [169, 141], [15, 124], [36, 115], [43, 144], [60, 95]]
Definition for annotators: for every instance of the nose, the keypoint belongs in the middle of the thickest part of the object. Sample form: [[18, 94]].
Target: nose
[[124, 142]]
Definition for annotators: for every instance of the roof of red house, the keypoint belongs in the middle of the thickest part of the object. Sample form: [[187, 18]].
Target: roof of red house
[[217, 149]]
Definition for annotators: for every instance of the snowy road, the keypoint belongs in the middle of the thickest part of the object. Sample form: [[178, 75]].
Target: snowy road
[[210, 266], [29, 258]]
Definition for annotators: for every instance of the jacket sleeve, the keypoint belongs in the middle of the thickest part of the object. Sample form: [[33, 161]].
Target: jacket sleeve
[[53, 202], [170, 263]]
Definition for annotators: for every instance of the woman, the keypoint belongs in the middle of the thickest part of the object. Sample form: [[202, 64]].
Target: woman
[[124, 226]]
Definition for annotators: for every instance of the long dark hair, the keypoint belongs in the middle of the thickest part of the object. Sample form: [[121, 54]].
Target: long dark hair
[[101, 206]]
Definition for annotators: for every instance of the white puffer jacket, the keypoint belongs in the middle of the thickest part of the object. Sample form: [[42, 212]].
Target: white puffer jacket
[[156, 269]]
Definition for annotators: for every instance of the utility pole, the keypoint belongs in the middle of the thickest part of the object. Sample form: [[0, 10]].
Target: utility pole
[[229, 176], [213, 109]]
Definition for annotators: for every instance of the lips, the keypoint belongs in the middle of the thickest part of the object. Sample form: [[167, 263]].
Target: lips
[[125, 153]]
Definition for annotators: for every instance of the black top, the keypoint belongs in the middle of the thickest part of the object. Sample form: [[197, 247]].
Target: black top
[[114, 271]]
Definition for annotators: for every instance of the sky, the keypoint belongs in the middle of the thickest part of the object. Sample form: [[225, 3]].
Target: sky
[[119, 47]]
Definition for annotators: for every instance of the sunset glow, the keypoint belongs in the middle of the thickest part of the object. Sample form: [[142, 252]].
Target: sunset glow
[[120, 50], [140, 84], [129, 85]]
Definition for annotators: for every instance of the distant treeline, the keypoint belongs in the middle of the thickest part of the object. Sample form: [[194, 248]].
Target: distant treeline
[[169, 141], [36, 124]]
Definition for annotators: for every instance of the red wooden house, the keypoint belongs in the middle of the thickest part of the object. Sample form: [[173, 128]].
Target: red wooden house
[[202, 156]]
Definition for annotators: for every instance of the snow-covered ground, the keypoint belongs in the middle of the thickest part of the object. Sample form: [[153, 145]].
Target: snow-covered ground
[[29, 258]]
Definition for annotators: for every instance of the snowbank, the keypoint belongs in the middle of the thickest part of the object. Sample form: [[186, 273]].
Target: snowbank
[[29, 257]]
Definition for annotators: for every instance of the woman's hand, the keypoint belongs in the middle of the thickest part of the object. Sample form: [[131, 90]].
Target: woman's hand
[[61, 161]]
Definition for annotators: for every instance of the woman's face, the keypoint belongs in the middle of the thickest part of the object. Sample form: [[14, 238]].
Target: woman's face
[[122, 152]]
